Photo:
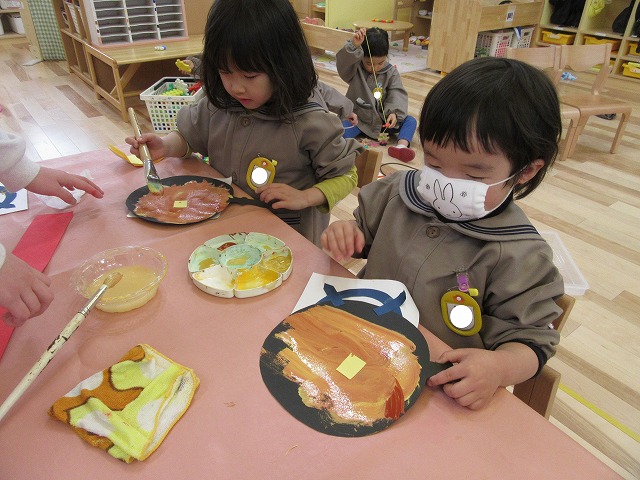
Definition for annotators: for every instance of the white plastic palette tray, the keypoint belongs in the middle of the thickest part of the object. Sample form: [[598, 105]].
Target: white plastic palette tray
[[574, 281]]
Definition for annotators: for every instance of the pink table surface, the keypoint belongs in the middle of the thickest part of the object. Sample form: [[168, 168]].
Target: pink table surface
[[234, 429]]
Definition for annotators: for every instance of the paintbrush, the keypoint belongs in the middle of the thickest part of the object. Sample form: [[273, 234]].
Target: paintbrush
[[110, 280]]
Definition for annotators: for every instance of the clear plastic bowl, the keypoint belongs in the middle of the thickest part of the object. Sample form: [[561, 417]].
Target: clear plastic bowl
[[143, 269]]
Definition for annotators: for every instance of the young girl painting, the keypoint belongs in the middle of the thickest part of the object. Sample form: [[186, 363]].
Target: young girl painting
[[262, 100], [453, 234]]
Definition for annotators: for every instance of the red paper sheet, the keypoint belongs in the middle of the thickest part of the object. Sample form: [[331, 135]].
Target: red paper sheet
[[36, 247]]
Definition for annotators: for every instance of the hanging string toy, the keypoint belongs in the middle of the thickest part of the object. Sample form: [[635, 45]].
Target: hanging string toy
[[383, 137]]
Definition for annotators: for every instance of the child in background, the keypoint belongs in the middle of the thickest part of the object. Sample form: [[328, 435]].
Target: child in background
[[363, 64], [489, 130], [263, 101], [24, 291]]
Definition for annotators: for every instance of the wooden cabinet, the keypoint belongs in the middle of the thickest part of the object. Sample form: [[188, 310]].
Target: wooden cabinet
[[121, 67], [455, 25], [18, 23], [595, 28], [113, 22], [421, 17]]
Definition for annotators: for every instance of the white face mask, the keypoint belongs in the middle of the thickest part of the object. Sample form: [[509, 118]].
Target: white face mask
[[455, 198]]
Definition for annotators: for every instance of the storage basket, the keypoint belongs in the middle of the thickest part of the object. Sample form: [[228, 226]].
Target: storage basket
[[526, 33], [6, 4], [633, 49], [557, 38], [631, 69], [493, 44], [163, 109], [591, 40]]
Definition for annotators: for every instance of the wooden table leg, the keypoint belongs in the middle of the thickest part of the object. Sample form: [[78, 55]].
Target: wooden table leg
[[405, 46]]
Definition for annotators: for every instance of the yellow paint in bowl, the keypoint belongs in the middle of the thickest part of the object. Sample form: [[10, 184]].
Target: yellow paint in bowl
[[129, 293], [142, 270]]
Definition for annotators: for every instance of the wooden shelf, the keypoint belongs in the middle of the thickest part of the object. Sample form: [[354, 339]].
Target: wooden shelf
[[599, 26], [456, 24], [8, 33]]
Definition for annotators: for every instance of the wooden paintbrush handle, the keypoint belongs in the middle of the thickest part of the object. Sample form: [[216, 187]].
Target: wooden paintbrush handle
[[46, 357]]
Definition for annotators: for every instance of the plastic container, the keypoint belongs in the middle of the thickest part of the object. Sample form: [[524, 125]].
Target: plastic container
[[557, 38], [633, 49], [591, 40], [493, 44], [526, 33], [15, 21], [631, 69], [143, 269], [163, 109], [574, 282]]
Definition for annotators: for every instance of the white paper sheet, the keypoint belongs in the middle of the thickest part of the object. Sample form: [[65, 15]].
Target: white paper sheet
[[314, 292]]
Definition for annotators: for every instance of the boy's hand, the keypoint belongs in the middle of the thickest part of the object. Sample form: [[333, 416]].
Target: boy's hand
[[353, 119], [358, 37], [50, 181], [153, 141], [25, 292], [392, 120], [474, 377], [342, 239]]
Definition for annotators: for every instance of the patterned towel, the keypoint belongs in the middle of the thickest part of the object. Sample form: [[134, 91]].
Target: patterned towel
[[128, 408]]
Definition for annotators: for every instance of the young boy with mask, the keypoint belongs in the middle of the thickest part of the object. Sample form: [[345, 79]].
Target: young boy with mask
[[453, 234]]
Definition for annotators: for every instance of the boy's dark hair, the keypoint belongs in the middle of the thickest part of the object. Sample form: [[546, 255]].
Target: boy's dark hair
[[377, 43], [259, 36], [511, 108]]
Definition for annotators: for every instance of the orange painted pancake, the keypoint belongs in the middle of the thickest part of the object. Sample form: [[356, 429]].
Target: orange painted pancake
[[191, 202]]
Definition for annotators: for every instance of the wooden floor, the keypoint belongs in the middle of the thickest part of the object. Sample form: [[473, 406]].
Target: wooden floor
[[592, 200]]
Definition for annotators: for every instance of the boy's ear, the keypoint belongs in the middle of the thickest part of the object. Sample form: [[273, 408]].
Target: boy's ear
[[530, 171]]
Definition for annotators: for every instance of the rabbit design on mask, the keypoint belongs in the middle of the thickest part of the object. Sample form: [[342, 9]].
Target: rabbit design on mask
[[443, 201]]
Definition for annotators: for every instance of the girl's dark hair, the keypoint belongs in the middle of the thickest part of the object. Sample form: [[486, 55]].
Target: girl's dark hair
[[258, 36], [509, 106], [377, 43]]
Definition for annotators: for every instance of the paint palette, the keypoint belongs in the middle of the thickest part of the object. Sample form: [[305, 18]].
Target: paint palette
[[240, 265]]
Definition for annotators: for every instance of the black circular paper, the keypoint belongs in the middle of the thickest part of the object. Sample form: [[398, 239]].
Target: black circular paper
[[136, 195], [285, 391]]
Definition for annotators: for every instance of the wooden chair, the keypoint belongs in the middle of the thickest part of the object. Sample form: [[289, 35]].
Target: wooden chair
[[539, 392], [581, 58], [368, 166], [548, 59]]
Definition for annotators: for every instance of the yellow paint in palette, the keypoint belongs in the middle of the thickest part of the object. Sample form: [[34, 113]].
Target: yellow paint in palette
[[255, 277], [278, 262]]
